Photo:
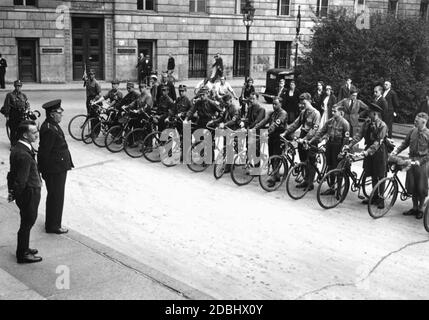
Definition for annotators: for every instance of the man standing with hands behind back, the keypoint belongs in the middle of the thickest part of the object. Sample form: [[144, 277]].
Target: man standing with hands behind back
[[54, 161]]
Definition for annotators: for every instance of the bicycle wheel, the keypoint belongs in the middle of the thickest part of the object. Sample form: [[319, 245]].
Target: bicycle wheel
[[87, 131], [295, 176], [277, 170], [114, 140], [333, 189], [366, 185], [320, 162], [98, 134], [197, 159], [76, 125], [171, 152], [386, 190], [151, 145], [219, 166], [240, 171], [134, 142], [426, 217]]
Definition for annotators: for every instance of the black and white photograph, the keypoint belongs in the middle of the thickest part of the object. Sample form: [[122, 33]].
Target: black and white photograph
[[228, 151]]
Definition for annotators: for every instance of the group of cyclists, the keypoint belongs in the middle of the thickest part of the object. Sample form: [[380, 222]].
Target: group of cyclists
[[135, 123]]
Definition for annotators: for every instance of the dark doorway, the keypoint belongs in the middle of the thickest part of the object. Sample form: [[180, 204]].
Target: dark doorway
[[197, 67], [239, 66], [88, 36], [27, 61], [147, 47]]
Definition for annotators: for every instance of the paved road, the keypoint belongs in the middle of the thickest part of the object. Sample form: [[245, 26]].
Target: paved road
[[237, 243]]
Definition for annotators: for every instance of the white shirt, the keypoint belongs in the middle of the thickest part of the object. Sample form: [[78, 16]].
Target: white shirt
[[385, 93], [223, 89]]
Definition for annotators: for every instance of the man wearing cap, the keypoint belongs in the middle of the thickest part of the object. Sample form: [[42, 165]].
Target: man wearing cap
[[93, 91], [14, 108], [417, 176], [169, 84], [131, 96], [353, 109], [54, 161], [165, 106], [205, 108], [336, 131], [374, 130], [113, 95], [183, 103], [309, 121], [3, 66]]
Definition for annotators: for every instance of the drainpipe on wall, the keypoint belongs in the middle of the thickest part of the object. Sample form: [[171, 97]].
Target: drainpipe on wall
[[114, 40]]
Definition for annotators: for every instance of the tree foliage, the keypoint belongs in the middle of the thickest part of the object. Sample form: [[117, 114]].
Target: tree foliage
[[394, 49]]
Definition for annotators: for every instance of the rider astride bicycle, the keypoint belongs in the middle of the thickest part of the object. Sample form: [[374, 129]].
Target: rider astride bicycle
[[166, 108], [130, 97], [374, 131], [417, 177], [336, 132], [277, 123], [247, 89], [143, 105], [205, 108], [14, 109], [308, 120], [113, 96]]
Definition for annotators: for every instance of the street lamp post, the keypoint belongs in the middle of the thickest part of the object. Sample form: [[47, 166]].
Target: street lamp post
[[298, 28], [248, 15]]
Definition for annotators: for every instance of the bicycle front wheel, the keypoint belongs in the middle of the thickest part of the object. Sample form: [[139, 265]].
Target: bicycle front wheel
[[277, 170], [76, 125], [219, 166], [240, 171], [333, 189], [383, 197], [366, 185], [295, 177], [151, 144], [134, 142], [87, 131], [98, 134], [114, 140], [198, 163]]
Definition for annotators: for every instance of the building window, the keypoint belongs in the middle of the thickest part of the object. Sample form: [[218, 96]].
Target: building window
[[239, 5], [322, 8], [197, 5], [145, 4], [392, 7], [25, 3], [424, 9], [283, 7], [283, 52], [239, 66], [197, 66]]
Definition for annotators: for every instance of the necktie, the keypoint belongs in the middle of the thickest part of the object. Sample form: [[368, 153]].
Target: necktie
[[351, 104]]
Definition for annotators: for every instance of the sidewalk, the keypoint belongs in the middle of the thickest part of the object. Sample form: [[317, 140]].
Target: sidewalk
[[105, 85], [95, 271]]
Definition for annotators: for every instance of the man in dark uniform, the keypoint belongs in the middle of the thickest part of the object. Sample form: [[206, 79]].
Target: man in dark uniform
[[24, 187], [169, 84], [54, 161], [3, 66], [337, 132], [93, 91], [183, 103], [417, 176], [255, 113], [14, 107], [165, 107], [206, 109], [374, 130], [130, 97], [113, 95], [277, 122], [309, 121]]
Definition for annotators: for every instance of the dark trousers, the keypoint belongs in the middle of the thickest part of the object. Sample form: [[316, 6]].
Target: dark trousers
[[274, 145], [310, 156], [28, 203], [13, 126], [55, 185], [2, 73]]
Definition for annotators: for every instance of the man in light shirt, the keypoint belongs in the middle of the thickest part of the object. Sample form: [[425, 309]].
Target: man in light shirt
[[222, 88]]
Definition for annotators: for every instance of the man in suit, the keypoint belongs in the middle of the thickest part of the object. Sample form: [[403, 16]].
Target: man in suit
[[24, 185], [381, 102], [139, 67], [146, 69], [54, 161], [353, 109], [345, 90], [392, 105], [3, 66]]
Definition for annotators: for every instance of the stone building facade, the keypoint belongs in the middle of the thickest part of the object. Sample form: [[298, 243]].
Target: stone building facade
[[53, 41]]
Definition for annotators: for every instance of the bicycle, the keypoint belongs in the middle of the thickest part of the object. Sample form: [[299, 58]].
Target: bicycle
[[75, 126], [335, 185], [277, 167], [298, 173], [388, 188], [93, 125], [426, 217], [220, 164], [197, 159]]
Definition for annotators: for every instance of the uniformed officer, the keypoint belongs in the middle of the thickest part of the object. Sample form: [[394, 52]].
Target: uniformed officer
[[337, 133], [308, 120], [255, 113], [54, 161], [130, 97], [113, 95], [14, 108], [277, 122], [205, 108], [165, 106], [417, 176], [373, 130], [24, 186], [93, 91], [230, 116]]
